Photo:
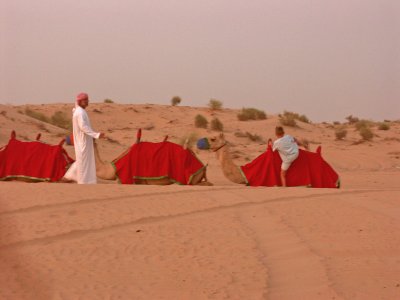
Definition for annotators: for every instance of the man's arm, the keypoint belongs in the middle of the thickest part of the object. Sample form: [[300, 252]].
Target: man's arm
[[84, 126]]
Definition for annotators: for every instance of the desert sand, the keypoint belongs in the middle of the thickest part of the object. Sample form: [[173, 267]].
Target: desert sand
[[227, 241]]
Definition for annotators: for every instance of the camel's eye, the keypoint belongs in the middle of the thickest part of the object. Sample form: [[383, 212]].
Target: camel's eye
[[212, 139]]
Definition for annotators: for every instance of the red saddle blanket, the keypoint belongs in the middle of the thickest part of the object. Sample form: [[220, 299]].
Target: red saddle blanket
[[147, 160], [309, 169], [34, 161]]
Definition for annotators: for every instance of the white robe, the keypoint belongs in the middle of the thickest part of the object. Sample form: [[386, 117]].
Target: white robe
[[83, 141]]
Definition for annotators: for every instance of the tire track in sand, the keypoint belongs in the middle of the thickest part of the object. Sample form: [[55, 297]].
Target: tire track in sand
[[294, 270], [79, 233]]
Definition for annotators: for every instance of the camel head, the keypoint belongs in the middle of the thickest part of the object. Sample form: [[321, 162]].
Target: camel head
[[213, 143]]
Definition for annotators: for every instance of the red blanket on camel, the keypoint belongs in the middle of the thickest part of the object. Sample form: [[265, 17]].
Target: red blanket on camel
[[147, 160], [33, 161], [309, 169]]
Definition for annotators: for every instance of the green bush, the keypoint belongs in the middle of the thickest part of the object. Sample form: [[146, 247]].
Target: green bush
[[108, 101], [383, 126], [200, 121], [36, 115], [216, 125], [340, 133], [215, 104], [175, 100], [366, 133], [251, 114], [60, 119]]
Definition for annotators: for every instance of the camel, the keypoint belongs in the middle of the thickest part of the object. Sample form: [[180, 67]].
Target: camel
[[33, 161], [311, 169], [220, 146]]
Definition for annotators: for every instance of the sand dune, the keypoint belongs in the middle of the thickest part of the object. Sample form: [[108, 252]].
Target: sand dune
[[227, 241]]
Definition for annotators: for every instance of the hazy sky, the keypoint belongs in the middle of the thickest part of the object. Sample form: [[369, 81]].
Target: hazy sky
[[326, 59]]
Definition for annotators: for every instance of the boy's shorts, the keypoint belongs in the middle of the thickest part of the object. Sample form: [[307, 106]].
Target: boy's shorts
[[287, 161]]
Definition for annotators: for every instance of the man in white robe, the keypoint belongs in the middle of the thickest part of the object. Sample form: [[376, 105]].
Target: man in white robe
[[83, 141]]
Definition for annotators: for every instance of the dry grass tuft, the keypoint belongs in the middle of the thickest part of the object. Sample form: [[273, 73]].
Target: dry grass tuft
[[363, 123], [384, 126], [36, 115], [215, 104], [251, 114], [216, 125], [340, 133], [61, 120], [366, 133], [200, 121], [251, 137], [352, 120], [175, 100], [289, 116], [254, 137], [288, 120]]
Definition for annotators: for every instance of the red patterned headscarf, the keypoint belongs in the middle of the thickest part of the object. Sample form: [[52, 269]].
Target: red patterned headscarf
[[80, 97]]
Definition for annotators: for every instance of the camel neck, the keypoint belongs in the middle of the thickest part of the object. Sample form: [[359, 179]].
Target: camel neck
[[97, 157], [230, 170]]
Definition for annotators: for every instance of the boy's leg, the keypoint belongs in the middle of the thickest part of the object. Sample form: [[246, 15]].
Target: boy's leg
[[283, 177], [285, 166]]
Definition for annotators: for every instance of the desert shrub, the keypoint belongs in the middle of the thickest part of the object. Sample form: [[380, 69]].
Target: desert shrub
[[108, 101], [366, 133], [336, 123], [288, 120], [215, 104], [251, 114], [340, 133], [362, 123], [60, 119], [296, 116], [216, 125], [200, 121], [384, 126], [352, 119], [254, 137], [303, 118], [175, 100], [36, 115]]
